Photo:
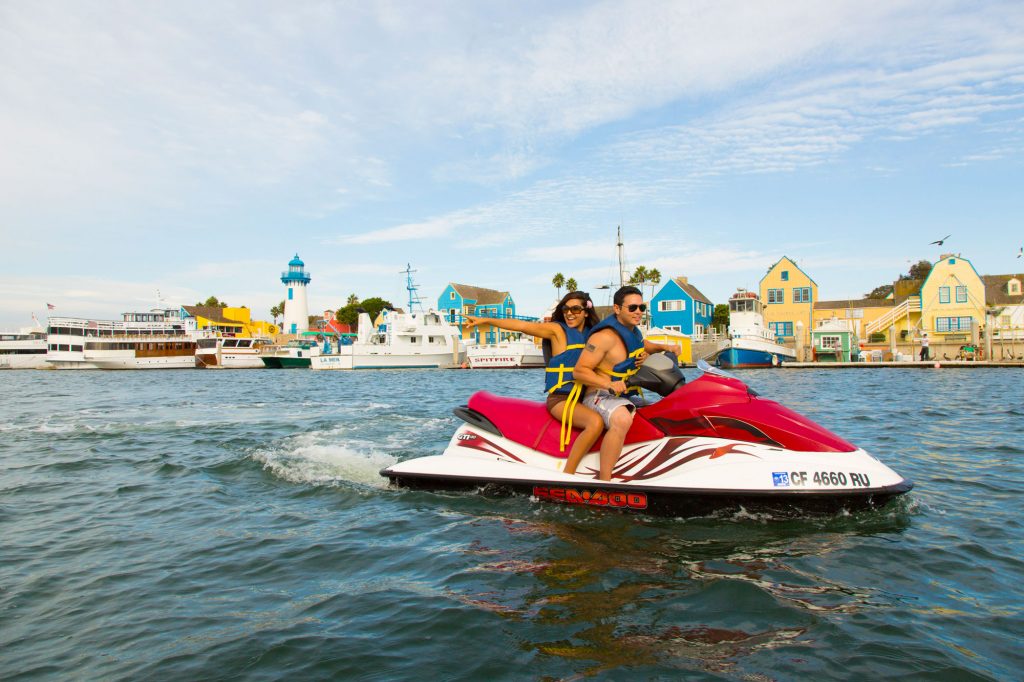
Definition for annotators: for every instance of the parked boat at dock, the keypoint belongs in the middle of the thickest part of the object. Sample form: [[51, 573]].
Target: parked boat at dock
[[158, 339], [230, 353], [751, 343], [24, 349], [296, 354], [402, 341], [512, 354]]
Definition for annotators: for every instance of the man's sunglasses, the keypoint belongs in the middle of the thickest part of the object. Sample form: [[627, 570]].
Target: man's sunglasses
[[574, 309], [633, 307]]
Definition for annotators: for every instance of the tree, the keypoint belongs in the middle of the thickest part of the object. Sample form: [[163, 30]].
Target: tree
[[559, 281], [920, 269], [640, 276], [880, 292], [720, 318], [277, 311], [571, 285], [349, 314], [654, 277], [212, 301], [352, 300]]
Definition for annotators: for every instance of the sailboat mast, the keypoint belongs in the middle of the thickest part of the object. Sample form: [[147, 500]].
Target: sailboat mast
[[622, 259]]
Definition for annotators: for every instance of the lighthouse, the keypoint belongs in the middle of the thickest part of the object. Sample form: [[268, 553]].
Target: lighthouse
[[296, 307]]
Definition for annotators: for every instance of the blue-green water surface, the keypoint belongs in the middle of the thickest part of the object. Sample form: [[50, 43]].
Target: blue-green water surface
[[232, 525]]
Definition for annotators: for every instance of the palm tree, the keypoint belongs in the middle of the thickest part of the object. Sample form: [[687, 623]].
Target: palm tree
[[352, 300], [654, 277], [640, 276], [559, 281], [571, 285]]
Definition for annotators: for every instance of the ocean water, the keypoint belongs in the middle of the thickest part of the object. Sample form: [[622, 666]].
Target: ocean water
[[232, 525]]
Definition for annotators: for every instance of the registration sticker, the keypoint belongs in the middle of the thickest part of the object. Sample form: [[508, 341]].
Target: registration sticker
[[780, 479]]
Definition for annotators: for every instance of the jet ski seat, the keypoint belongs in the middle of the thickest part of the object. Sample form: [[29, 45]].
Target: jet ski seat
[[530, 424]]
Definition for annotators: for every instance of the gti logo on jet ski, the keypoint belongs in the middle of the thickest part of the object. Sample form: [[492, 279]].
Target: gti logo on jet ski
[[467, 436], [595, 498]]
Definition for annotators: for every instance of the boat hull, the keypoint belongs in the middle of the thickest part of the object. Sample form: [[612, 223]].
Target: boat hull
[[384, 360], [744, 358], [272, 362]]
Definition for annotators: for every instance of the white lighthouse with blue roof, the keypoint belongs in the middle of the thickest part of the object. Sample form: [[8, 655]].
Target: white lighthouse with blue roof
[[296, 306]]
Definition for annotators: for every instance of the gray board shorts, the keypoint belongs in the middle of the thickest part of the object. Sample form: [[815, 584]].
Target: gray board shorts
[[605, 402]]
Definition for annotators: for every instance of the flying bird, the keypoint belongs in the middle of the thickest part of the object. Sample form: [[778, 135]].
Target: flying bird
[[1021, 252], [939, 241]]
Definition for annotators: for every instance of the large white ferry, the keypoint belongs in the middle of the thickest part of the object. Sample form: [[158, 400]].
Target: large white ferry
[[511, 354], [751, 343], [159, 339], [404, 340], [230, 352], [24, 349]]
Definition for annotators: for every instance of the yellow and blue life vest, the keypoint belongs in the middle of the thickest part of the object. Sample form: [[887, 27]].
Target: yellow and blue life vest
[[558, 378], [634, 342]]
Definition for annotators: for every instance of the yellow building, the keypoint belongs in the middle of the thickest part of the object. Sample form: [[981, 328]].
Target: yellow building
[[788, 294], [858, 314], [952, 299], [229, 321], [948, 305]]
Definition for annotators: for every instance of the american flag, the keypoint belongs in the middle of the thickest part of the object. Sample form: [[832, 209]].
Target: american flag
[[50, 306]]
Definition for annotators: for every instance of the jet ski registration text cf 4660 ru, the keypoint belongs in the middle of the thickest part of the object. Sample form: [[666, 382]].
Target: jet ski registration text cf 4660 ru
[[708, 446]]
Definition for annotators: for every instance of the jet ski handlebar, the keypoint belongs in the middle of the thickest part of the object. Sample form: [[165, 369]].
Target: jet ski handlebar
[[659, 373]]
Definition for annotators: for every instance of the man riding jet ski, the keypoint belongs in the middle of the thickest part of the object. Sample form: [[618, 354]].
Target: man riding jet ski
[[710, 445]]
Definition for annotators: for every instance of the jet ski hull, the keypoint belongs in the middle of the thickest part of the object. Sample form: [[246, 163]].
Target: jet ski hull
[[708, 446], [669, 477]]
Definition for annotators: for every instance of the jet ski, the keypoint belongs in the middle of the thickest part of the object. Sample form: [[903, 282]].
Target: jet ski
[[708, 446]]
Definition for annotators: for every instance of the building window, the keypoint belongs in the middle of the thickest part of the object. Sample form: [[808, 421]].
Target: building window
[[831, 342], [1013, 287], [961, 294], [785, 275], [451, 295], [673, 328], [802, 295], [953, 324], [776, 296], [668, 306], [289, 293], [782, 328], [508, 312], [943, 294]]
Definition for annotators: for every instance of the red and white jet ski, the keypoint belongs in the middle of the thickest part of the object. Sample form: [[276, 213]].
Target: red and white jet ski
[[710, 445]]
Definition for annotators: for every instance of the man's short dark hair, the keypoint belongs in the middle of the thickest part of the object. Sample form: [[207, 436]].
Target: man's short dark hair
[[625, 291]]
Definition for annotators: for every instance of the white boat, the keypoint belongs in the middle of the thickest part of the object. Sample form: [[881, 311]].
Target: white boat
[[296, 354], [24, 349], [230, 352], [403, 341], [512, 354], [751, 343], [159, 339]]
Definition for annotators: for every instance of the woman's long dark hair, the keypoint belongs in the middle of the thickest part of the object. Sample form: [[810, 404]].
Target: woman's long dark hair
[[591, 318], [589, 321]]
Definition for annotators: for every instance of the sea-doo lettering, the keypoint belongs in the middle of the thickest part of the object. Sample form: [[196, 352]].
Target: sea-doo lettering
[[595, 498]]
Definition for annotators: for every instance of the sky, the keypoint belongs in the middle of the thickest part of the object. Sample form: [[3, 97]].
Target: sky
[[159, 153]]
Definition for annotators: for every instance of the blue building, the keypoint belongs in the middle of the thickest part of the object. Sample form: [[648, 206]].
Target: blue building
[[461, 299], [679, 306]]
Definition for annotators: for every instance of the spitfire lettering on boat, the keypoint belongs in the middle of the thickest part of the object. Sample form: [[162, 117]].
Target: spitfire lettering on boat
[[783, 479], [596, 498]]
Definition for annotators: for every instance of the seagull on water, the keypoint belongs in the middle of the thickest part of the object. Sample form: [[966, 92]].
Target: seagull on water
[[939, 241]]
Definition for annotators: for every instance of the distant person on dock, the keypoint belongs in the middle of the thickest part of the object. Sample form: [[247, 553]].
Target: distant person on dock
[[563, 339], [925, 353], [615, 350]]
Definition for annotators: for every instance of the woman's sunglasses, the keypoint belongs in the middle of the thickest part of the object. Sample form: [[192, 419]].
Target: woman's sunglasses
[[633, 307], [574, 309]]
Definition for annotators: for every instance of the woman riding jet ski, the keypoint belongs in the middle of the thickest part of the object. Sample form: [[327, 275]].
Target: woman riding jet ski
[[706, 446]]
